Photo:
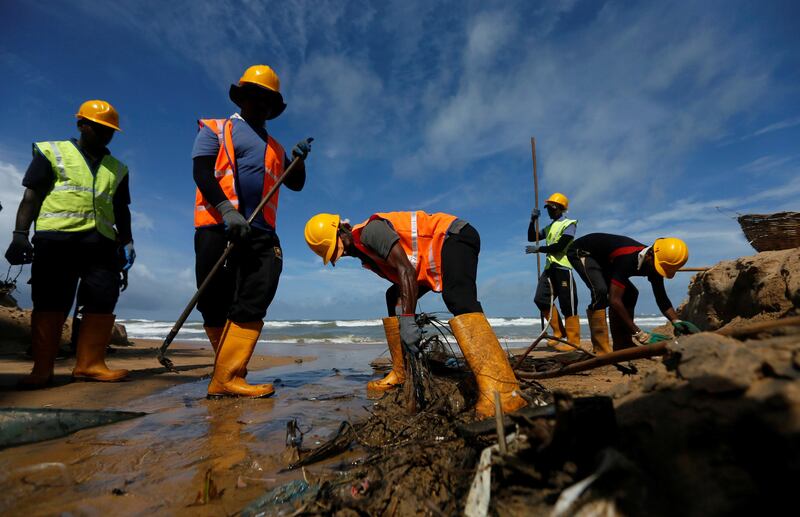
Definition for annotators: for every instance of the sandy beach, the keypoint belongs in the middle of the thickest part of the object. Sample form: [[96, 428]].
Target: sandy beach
[[193, 360]]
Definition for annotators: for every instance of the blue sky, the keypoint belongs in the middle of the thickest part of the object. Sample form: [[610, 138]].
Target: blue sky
[[655, 118]]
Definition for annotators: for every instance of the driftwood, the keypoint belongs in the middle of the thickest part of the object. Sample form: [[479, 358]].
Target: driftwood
[[628, 354]]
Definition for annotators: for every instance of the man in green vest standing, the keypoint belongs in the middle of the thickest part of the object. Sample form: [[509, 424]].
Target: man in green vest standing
[[557, 281], [78, 196]]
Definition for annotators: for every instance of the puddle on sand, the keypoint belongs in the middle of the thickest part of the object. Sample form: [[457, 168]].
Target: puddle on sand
[[158, 463]]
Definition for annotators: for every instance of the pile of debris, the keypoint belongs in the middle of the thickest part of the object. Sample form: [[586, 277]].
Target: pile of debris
[[761, 287], [713, 430]]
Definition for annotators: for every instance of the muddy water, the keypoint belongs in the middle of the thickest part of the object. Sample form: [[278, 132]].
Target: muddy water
[[159, 463]]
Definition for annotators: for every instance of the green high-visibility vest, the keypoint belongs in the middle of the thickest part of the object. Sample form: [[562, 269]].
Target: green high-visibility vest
[[79, 201], [553, 233]]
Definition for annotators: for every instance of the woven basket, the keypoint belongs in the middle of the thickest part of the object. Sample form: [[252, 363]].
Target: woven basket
[[770, 232]]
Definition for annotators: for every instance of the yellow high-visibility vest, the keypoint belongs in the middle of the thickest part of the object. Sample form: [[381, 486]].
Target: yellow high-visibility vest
[[553, 233], [79, 201]]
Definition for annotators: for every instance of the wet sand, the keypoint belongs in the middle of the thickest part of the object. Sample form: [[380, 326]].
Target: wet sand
[[194, 360], [158, 463]]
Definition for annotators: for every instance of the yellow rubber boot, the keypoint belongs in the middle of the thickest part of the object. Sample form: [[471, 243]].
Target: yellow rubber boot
[[488, 362], [93, 338], [396, 377], [45, 338], [214, 336], [573, 324], [599, 331], [558, 331], [234, 352]]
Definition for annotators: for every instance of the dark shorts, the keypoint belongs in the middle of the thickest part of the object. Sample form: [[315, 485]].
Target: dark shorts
[[245, 287], [62, 267]]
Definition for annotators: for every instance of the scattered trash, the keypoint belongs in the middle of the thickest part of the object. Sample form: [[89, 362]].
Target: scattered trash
[[360, 489], [339, 443], [208, 492], [283, 500]]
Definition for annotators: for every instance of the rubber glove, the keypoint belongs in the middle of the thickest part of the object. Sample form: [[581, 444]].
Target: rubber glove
[[649, 338], [410, 332], [535, 213], [683, 327], [128, 254], [302, 148], [532, 249], [20, 251], [235, 224]]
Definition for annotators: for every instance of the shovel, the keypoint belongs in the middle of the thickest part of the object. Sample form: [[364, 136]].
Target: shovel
[[162, 358]]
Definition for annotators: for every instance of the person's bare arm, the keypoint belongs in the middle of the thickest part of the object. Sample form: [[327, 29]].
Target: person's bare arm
[[408, 278]]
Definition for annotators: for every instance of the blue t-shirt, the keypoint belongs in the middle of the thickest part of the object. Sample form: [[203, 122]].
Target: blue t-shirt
[[250, 144]]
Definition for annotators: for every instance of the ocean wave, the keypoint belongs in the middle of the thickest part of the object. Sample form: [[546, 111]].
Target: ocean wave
[[348, 331]]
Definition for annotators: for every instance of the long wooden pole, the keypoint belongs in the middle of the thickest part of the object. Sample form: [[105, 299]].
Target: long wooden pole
[[536, 224]]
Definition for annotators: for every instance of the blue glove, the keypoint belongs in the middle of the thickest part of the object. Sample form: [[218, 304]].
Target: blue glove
[[410, 332], [302, 148], [128, 254], [684, 327], [535, 214], [532, 249]]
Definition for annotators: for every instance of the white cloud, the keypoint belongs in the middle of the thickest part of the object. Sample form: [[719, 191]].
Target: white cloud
[[777, 126], [765, 163], [141, 221]]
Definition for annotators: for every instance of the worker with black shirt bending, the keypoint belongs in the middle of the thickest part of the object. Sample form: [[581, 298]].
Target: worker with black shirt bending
[[606, 263]]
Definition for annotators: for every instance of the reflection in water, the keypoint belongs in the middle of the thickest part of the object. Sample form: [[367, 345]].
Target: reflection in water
[[158, 463]]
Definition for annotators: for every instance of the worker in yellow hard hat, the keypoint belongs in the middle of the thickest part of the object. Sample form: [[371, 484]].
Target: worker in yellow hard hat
[[556, 282], [419, 252], [236, 162], [77, 196], [606, 263]]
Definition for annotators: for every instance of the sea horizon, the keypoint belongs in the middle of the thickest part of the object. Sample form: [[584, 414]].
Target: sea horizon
[[509, 329]]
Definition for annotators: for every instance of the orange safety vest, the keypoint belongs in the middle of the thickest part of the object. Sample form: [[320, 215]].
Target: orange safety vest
[[421, 235], [225, 171]]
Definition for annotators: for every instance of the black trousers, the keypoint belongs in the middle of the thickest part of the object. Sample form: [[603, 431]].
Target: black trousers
[[598, 282], [558, 282], [245, 287], [459, 274], [60, 268]]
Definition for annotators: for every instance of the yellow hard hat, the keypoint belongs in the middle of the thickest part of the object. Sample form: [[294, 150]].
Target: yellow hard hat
[[321, 235], [263, 76], [558, 199], [100, 112], [669, 254]]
